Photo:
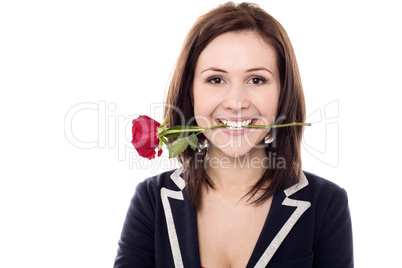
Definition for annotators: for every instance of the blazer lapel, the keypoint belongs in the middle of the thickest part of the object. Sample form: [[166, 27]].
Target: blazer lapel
[[181, 221], [283, 215]]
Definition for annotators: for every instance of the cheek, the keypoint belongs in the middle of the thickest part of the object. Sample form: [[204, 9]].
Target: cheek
[[267, 105], [199, 102], [205, 103], [201, 108], [203, 111]]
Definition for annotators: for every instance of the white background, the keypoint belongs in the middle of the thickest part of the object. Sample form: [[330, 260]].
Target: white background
[[64, 206]]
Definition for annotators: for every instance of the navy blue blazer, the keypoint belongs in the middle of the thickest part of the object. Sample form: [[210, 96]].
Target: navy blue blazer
[[308, 225]]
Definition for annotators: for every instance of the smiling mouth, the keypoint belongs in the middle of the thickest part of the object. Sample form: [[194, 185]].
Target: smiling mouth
[[236, 125]]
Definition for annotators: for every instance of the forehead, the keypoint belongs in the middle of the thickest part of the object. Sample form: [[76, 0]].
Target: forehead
[[237, 50]]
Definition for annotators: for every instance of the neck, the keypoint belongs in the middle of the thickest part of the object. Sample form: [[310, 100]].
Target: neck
[[236, 174]]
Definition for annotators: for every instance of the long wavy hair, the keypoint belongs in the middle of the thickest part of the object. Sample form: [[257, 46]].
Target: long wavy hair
[[179, 107]]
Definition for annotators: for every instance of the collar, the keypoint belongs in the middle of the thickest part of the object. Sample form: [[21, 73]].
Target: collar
[[284, 220]]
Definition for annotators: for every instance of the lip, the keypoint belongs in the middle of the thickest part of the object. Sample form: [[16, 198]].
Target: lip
[[235, 132]]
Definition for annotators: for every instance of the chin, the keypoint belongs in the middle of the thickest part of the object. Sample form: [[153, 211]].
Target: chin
[[236, 150]]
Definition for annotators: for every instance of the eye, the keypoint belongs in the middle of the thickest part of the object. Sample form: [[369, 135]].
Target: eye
[[257, 80], [215, 80]]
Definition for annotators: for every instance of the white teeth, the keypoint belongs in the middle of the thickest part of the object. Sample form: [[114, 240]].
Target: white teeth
[[236, 125]]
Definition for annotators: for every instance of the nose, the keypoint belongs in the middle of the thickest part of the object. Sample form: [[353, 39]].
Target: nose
[[236, 99]]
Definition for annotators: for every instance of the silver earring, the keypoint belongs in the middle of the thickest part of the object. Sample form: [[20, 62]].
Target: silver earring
[[202, 146], [269, 139]]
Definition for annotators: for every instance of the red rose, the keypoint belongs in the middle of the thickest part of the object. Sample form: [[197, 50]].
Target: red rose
[[145, 138]]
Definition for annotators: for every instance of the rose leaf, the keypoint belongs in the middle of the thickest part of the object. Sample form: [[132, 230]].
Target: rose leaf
[[192, 141], [177, 147]]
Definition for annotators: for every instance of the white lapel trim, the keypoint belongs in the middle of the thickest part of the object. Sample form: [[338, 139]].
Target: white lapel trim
[[302, 206], [165, 193]]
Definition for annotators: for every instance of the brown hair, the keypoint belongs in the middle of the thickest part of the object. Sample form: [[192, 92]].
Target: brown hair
[[291, 107]]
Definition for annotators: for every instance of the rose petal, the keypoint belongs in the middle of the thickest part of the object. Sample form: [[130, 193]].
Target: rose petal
[[145, 139]]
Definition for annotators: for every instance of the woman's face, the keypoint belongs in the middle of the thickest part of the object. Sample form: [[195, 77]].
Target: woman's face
[[236, 81]]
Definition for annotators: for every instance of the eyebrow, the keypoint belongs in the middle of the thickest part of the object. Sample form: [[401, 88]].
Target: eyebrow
[[215, 70], [258, 69], [247, 71]]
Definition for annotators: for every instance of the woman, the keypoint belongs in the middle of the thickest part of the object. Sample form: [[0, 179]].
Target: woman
[[241, 199]]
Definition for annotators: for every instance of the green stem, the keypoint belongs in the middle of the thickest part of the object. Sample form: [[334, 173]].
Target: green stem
[[278, 126], [190, 129], [201, 130]]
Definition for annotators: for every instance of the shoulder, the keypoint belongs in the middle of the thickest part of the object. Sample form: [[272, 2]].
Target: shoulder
[[152, 186], [331, 221], [158, 181], [147, 196], [323, 193], [320, 185]]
